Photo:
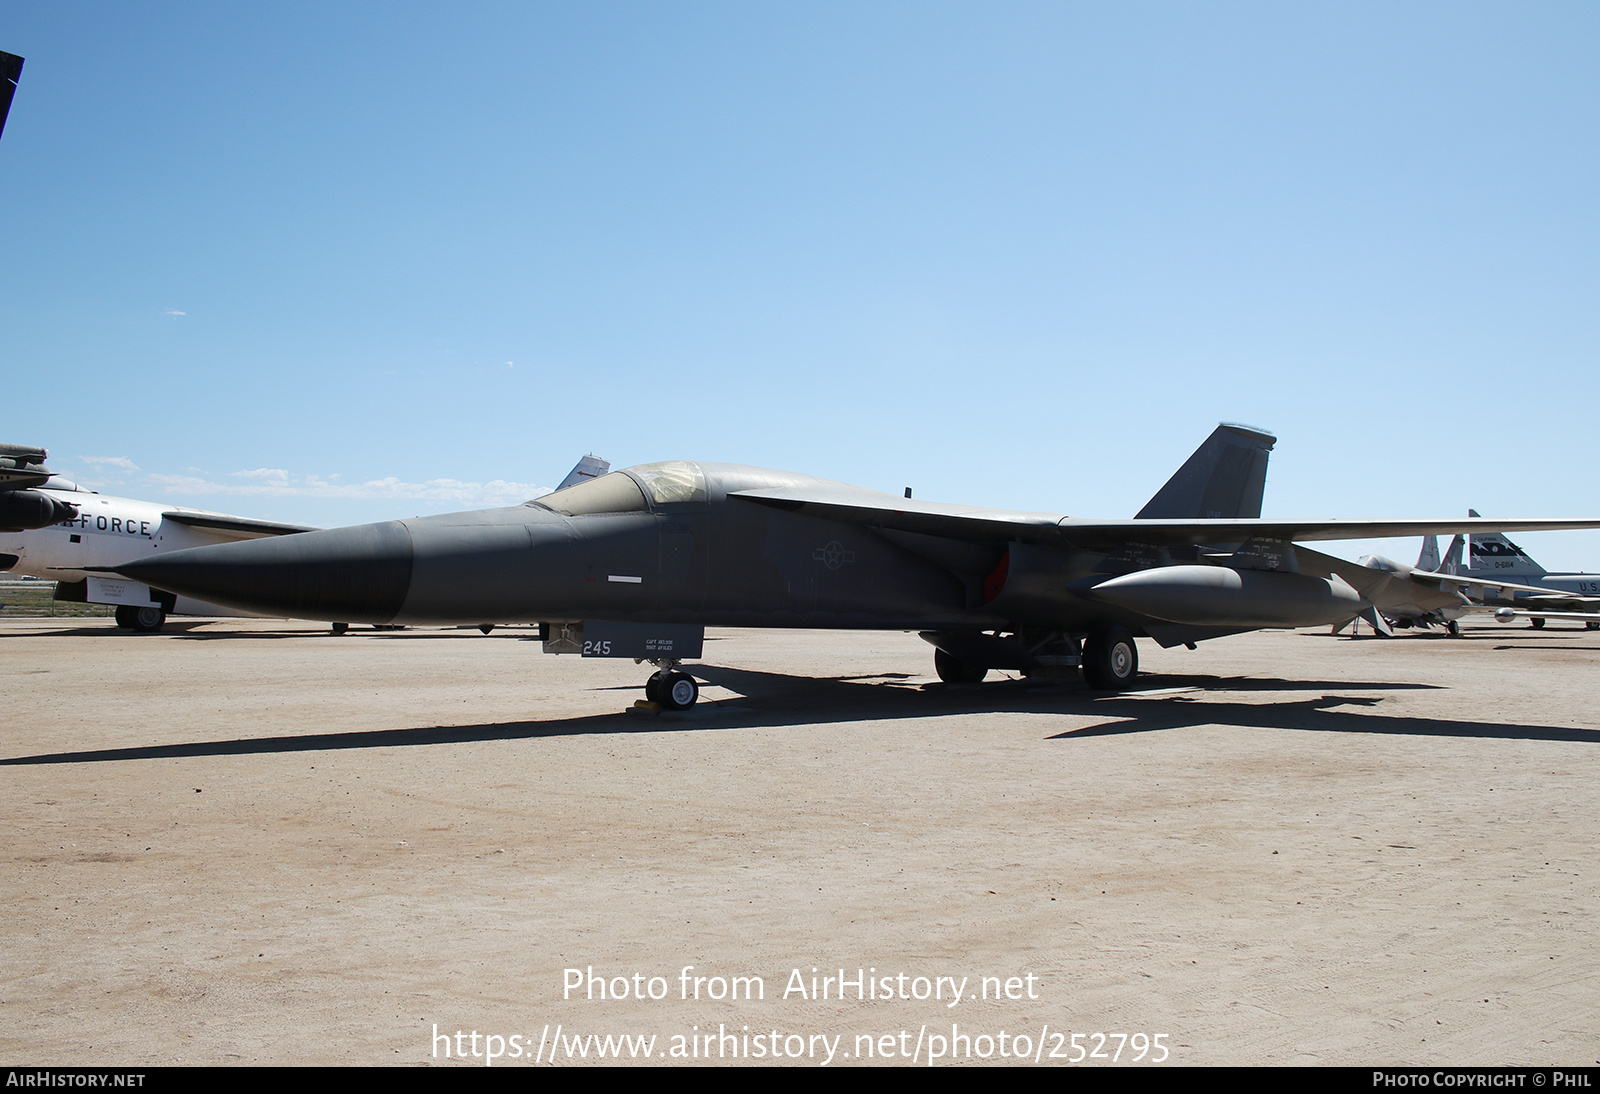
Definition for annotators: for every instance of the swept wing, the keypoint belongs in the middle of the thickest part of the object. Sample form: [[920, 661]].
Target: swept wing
[[870, 508]]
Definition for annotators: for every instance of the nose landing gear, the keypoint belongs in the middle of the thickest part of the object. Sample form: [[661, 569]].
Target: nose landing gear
[[670, 688], [146, 619]]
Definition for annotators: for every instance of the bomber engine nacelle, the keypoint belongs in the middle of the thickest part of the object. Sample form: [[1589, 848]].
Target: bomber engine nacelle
[[25, 510], [1219, 596]]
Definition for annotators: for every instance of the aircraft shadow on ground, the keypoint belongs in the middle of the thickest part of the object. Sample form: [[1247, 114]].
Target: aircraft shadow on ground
[[1317, 715], [1563, 634], [176, 631], [766, 699]]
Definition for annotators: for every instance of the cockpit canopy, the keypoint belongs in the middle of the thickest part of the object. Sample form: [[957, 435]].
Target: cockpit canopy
[[632, 490]]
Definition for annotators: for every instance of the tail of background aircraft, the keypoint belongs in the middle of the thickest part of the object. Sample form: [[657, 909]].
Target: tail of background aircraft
[[1492, 554], [590, 467], [10, 73], [1224, 479], [1428, 560], [1452, 557]]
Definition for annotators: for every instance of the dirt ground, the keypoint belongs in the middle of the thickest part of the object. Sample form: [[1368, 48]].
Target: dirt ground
[[253, 842]]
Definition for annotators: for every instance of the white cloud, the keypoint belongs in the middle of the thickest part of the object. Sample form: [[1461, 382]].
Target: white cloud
[[276, 482], [174, 311], [100, 463], [275, 475], [188, 483]]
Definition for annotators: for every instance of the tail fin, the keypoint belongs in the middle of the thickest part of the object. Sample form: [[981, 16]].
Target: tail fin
[[10, 73], [590, 467], [1492, 553], [1452, 557], [1225, 478], [1428, 560]]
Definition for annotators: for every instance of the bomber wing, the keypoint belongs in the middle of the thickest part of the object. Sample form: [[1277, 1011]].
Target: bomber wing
[[228, 527]]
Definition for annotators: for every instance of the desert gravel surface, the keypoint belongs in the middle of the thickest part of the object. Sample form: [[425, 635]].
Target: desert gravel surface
[[253, 842]]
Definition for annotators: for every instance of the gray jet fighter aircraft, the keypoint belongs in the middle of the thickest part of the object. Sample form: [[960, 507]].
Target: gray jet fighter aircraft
[[638, 562]]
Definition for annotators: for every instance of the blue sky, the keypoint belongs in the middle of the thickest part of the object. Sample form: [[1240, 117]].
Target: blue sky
[[347, 262]]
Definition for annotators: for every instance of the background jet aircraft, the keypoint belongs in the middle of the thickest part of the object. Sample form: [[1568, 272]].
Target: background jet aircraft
[[22, 506], [88, 531], [1431, 570], [1509, 578], [1539, 602], [636, 563], [102, 529]]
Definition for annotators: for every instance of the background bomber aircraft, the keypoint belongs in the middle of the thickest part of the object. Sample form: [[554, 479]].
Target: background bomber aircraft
[[52, 528], [1506, 578], [638, 562]]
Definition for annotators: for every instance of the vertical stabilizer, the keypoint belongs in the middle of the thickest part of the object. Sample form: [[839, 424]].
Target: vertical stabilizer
[[590, 467], [1224, 479], [1428, 560], [1452, 557], [10, 73], [1493, 555]]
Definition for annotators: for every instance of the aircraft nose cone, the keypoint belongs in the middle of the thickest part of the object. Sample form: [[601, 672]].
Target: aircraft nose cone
[[354, 575]]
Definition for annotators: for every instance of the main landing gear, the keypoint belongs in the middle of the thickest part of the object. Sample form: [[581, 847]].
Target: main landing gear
[[1110, 659], [1107, 655], [671, 688], [144, 619]]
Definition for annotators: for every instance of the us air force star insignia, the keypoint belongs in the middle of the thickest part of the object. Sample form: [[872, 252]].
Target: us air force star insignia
[[833, 555]]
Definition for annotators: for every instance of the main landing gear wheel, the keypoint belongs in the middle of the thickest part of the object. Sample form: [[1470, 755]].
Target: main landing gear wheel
[[1591, 625], [953, 670], [673, 690], [147, 620], [1110, 659], [1536, 623], [1454, 628]]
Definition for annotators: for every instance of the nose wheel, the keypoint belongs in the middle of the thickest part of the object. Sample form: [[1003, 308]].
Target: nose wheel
[[672, 689], [146, 619]]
